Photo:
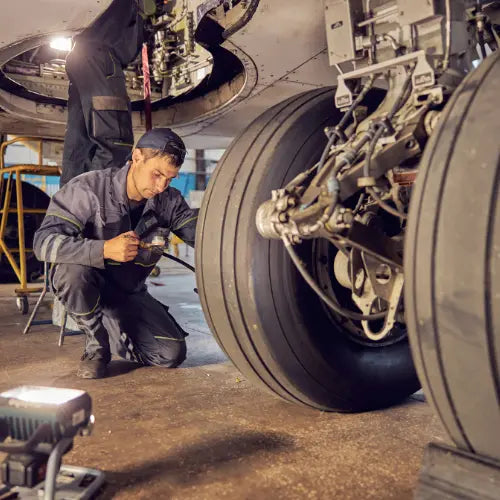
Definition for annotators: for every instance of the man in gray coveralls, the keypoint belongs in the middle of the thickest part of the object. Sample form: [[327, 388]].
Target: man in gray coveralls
[[98, 232]]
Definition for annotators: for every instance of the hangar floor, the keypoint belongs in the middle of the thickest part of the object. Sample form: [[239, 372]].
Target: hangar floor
[[204, 432]]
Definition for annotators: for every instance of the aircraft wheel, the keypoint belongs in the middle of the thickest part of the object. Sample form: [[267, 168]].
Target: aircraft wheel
[[266, 318], [452, 265]]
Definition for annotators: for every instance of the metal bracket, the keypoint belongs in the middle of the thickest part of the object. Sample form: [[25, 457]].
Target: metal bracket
[[423, 75]]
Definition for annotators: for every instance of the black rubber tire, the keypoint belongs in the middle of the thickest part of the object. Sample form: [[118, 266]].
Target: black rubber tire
[[265, 317], [33, 197], [22, 304], [452, 265]]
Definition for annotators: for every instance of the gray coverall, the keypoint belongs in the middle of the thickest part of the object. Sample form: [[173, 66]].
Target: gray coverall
[[99, 127], [108, 299]]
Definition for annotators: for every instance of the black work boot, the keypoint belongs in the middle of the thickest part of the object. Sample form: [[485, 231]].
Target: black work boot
[[92, 366]]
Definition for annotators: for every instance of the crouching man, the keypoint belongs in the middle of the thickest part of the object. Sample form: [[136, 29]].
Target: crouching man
[[101, 233]]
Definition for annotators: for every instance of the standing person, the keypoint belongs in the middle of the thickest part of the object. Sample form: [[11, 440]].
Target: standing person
[[91, 233], [99, 128]]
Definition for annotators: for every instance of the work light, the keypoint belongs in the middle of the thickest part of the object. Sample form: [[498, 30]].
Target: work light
[[37, 427]]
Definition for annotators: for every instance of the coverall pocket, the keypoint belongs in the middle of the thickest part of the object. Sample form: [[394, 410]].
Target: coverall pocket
[[111, 66], [111, 119]]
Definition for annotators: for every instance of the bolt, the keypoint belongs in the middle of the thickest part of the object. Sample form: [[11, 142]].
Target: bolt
[[360, 276], [383, 274]]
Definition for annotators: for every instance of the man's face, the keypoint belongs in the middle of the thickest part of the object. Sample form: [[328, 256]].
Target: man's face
[[152, 176]]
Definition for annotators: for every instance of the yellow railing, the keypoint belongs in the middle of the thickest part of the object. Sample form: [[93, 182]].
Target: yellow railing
[[9, 175]]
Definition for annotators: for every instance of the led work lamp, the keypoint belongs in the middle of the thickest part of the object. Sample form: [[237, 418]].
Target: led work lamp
[[37, 427]]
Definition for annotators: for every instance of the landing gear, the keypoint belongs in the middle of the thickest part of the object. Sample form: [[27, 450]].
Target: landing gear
[[268, 320]]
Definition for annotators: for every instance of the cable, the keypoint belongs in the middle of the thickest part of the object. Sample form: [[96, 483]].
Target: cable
[[371, 148], [180, 261], [360, 201], [347, 115], [385, 205], [366, 88], [329, 302], [447, 51], [366, 173]]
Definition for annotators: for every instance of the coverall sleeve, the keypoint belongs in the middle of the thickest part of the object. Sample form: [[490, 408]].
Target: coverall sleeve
[[60, 237], [184, 220]]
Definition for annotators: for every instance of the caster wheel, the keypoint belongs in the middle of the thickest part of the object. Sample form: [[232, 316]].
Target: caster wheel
[[22, 304]]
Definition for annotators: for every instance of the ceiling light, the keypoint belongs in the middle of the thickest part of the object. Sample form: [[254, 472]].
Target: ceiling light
[[61, 43]]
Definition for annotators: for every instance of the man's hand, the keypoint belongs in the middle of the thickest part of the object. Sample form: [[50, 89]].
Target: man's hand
[[122, 248]]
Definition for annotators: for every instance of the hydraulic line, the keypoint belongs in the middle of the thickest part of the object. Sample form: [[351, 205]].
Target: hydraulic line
[[347, 115]]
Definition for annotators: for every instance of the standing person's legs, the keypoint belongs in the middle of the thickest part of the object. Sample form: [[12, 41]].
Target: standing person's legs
[[141, 329], [79, 289], [78, 148], [111, 128], [105, 104]]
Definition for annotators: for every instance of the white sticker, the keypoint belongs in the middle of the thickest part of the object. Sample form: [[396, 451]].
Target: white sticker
[[200, 74], [78, 416]]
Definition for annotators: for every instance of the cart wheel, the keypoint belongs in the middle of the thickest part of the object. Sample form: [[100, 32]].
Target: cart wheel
[[22, 304], [155, 272]]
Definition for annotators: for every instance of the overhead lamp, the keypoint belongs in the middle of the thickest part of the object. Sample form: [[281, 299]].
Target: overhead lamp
[[61, 43]]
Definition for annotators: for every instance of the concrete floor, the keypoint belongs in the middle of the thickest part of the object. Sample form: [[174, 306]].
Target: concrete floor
[[203, 432]]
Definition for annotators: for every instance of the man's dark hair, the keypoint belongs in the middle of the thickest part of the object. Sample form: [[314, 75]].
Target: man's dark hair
[[149, 153]]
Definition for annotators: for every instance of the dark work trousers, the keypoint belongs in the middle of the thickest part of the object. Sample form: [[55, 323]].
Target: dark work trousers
[[99, 128], [134, 326]]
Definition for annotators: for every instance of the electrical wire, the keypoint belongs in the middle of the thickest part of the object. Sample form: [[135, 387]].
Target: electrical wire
[[360, 201], [372, 191], [371, 149], [347, 115], [180, 261], [447, 51], [385, 206], [329, 302]]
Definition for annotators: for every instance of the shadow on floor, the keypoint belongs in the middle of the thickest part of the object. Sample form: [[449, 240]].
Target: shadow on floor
[[190, 464], [116, 368]]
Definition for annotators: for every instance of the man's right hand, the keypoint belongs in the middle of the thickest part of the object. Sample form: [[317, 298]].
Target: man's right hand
[[122, 248]]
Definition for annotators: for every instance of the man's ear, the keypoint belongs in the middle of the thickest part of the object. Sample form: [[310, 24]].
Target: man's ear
[[137, 156]]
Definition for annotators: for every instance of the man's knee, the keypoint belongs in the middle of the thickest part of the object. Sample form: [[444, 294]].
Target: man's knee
[[77, 287], [168, 354]]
